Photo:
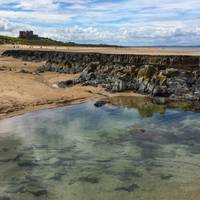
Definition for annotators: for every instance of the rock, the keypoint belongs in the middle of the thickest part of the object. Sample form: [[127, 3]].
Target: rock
[[119, 86], [100, 103], [24, 71], [166, 177], [160, 91], [89, 179], [147, 72], [64, 84], [17, 189], [162, 79], [27, 163], [85, 76], [129, 188], [142, 85], [5, 198], [161, 100], [91, 67], [171, 72], [37, 191], [4, 68]]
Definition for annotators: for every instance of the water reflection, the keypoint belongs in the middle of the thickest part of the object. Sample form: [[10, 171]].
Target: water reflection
[[138, 151], [145, 107]]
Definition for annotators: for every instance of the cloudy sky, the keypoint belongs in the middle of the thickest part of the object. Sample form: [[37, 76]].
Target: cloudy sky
[[124, 22]]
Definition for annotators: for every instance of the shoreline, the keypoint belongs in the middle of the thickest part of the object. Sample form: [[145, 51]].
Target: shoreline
[[63, 103], [31, 108]]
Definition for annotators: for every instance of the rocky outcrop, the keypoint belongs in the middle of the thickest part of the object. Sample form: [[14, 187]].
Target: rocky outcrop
[[70, 59], [155, 81], [175, 77]]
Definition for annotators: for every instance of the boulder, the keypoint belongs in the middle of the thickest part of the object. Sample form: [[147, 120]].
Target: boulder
[[129, 188], [37, 190], [171, 72], [100, 103], [160, 91], [147, 72], [64, 84], [118, 86]]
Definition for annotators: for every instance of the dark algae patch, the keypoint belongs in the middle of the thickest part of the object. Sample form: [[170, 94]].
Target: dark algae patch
[[129, 188], [89, 179], [130, 148]]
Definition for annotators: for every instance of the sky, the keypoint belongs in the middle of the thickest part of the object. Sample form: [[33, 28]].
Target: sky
[[121, 22]]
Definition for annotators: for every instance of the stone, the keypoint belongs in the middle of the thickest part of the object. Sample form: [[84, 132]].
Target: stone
[[160, 91], [24, 71], [20, 188], [147, 72], [171, 72], [37, 189], [27, 162], [5, 198], [89, 179], [166, 177], [129, 188], [119, 86], [100, 103], [64, 84], [91, 67]]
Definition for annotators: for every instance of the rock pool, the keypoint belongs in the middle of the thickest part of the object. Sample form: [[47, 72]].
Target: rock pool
[[131, 149]]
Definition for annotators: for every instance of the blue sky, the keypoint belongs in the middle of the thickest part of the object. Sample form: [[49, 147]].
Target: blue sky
[[122, 22]]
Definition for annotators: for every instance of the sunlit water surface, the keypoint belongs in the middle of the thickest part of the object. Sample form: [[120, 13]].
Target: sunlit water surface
[[137, 150]]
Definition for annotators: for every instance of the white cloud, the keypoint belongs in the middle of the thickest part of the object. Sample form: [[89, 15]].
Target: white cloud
[[125, 22], [35, 16]]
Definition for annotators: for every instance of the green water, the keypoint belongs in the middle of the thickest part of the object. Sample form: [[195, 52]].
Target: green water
[[136, 150]]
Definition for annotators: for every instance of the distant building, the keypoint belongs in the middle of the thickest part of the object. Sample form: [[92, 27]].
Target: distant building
[[28, 35]]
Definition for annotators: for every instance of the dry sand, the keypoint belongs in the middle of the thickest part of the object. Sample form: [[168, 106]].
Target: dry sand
[[20, 93], [110, 50]]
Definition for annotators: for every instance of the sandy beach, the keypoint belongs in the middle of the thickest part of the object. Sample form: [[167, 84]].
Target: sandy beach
[[109, 50], [20, 93]]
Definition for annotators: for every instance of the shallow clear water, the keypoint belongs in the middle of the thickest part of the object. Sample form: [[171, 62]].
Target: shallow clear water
[[137, 150]]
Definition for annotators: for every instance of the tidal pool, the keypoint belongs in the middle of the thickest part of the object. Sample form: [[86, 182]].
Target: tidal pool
[[132, 149]]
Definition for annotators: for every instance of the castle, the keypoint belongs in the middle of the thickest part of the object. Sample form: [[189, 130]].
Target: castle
[[28, 35]]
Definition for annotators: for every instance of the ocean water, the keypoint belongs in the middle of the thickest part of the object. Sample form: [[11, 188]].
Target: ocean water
[[130, 149]]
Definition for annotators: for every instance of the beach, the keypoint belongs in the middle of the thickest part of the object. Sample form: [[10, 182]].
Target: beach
[[23, 90]]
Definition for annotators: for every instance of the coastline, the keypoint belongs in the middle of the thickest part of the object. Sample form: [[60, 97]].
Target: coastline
[[17, 111], [24, 90], [108, 50]]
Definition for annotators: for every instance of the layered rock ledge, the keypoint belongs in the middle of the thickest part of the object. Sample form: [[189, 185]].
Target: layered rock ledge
[[174, 77]]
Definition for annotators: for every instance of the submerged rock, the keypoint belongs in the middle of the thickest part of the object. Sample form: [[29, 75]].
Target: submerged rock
[[100, 103], [5, 198], [37, 190], [166, 177], [27, 163], [89, 179], [129, 188]]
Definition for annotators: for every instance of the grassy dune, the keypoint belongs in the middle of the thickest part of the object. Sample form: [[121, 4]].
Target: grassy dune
[[43, 42]]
